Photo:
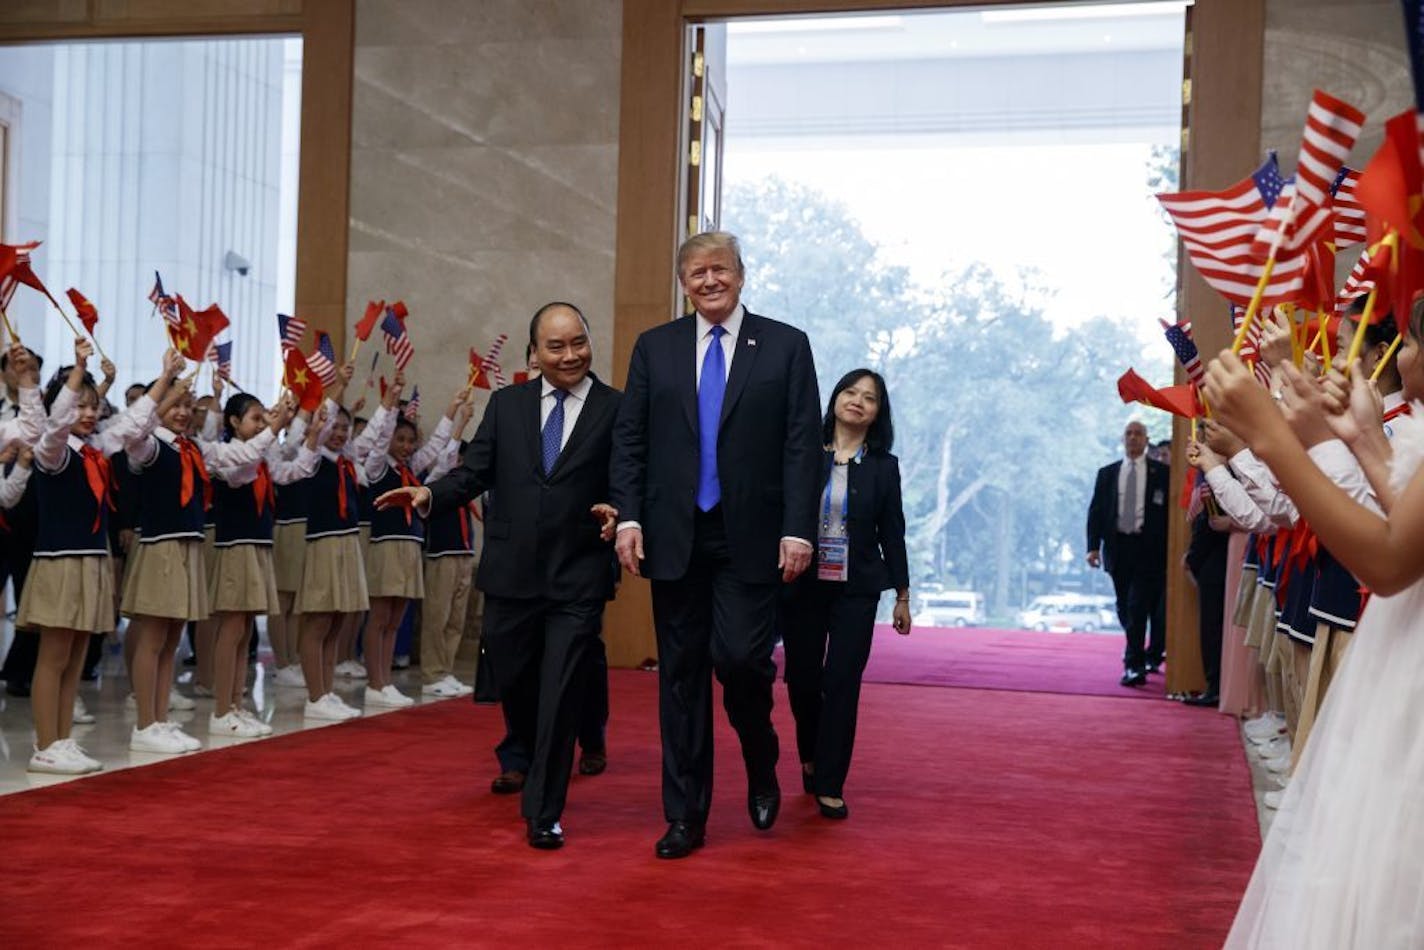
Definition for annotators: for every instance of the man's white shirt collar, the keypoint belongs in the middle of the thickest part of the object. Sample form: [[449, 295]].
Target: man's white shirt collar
[[733, 324], [579, 390]]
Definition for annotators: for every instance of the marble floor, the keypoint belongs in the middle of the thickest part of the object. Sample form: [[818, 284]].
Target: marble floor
[[108, 738]]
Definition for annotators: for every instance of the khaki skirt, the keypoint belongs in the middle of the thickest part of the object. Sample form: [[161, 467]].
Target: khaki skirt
[[394, 568], [289, 548], [333, 577], [242, 580], [1262, 623], [210, 537], [1245, 594], [69, 593], [166, 579]]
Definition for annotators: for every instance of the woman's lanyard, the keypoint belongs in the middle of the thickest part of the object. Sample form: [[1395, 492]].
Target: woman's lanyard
[[845, 499]]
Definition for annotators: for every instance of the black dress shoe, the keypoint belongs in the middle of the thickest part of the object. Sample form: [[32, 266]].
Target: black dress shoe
[[545, 835], [682, 838], [592, 763], [832, 811], [1133, 678], [1203, 699], [764, 807], [808, 781], [508, 783]]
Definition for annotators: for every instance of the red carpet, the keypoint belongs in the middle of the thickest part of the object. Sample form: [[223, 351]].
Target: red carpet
[[1080, 664], [979, 819]]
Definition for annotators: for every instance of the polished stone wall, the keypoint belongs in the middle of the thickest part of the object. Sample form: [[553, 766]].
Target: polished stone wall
[[484, 172]]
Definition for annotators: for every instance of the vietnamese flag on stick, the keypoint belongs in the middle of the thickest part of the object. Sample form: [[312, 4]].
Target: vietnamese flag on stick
[[88, 315], [366, 324], [478, 378], [1178, 400], [300, 379], [196, 329]]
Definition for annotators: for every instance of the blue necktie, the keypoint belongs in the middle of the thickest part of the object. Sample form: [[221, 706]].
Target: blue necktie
[[709, 416], [553, 435]]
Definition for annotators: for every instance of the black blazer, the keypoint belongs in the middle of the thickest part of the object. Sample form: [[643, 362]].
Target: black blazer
[[540, 539], [768, 446], [875, 525], [1102, 514]]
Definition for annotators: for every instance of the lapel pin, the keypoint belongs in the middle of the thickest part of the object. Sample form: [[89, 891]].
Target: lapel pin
[[751, 342]]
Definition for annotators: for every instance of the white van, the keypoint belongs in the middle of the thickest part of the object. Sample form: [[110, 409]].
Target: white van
[[950, 608]]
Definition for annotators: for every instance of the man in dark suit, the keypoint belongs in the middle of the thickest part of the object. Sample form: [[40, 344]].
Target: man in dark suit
[[1127, 521], [542, 449], [716, 465]]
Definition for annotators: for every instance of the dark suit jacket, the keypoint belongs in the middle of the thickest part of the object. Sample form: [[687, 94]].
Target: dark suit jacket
[[768, 446], [875, 524], [1102, 514], [540, 539]]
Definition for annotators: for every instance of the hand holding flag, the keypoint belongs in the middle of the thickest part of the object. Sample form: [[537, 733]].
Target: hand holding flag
[[300, 379]]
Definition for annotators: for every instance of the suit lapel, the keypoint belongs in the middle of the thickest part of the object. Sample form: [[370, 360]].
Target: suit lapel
[[745, 356], [593, 409], [527, 411]]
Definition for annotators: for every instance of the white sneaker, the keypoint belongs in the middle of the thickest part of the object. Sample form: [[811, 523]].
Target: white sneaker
[[290, 676], [75, 751], [464, 690], [1265, 724], [1275, 748], [156, 738], [351, 670], [130, 703], [253, 720], [232, 725], [387, 696], [200, 691], [177, 700], [82, 716], [1279, 764], [1272, 800], [441, 689], [191, 743], [56, 760], [341, 706]]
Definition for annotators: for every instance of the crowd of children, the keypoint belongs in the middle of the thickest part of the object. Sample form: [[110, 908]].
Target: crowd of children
[[169, 515]]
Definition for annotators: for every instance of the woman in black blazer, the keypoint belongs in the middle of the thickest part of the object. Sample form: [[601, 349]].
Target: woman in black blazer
[[860, 552]]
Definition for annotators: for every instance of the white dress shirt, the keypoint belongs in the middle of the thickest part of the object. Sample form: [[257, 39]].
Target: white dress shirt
[[733, 326], [573, 405], [1140, 502]]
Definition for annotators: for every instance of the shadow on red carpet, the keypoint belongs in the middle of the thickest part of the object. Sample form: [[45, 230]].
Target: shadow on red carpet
[[1080, 664], [979, 819]]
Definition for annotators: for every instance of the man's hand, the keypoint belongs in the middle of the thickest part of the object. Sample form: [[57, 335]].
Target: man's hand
[[795, 558], [607, 517], [415, 496], [629, 547], [900, 618], [1094, 559]]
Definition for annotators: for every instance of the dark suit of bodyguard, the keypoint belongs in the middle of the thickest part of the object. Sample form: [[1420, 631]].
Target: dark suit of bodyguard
[[716, 461], [545, 571]]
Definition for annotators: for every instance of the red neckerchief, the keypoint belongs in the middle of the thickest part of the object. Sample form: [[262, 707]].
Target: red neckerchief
[[193, 465], [344, 467], [1400, 410], [96, 472], [262, 492], [408, 480]]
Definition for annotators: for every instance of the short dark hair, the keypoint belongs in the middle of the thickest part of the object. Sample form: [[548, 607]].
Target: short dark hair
[[236, 408], [1381, 329], [5, 359], [881, 435], [61, 378], [539, 315], [403, 423]]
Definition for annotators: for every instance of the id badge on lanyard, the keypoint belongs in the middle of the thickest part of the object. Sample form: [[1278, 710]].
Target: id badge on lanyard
[[833, 552]]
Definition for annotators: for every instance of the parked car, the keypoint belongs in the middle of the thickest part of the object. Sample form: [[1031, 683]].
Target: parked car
[[950, 608], [1069, 612]]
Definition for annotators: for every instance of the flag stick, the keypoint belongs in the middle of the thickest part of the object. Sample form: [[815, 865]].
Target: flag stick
[[1325, 342], [14, 337], [73, 329], [1254, 305], [356, 348], [1357, 342], [1384, 360]]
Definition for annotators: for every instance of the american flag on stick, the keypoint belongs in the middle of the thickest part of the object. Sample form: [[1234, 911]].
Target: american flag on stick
[[1304, 212], [1180, 336], [1249, 351], [1218, 227], [290, 330], [1349, 215], [322, 360], [397, 340], [221, 354], [412, 406], [166, 306]]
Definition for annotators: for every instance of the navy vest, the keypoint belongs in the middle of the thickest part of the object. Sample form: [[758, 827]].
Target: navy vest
[[159, 486], [391, 524], [237, 518], [443, 535], [292, 501], [323, 501], [69, 527]]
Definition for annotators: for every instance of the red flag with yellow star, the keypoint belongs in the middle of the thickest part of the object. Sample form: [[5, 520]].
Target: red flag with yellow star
[[88, 315], [195, 329], [302, 381]]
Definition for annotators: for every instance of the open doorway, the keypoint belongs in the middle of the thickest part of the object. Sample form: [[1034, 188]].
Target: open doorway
[[962, 201]]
